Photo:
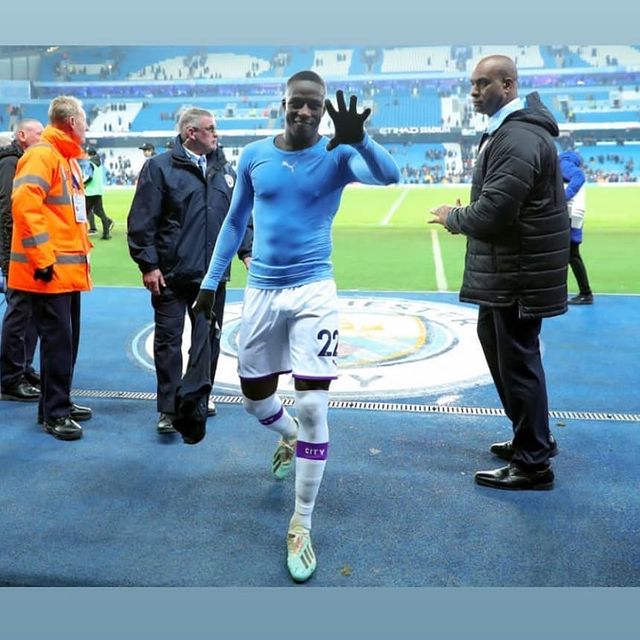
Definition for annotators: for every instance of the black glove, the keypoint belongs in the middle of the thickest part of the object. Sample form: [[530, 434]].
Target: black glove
[[349, 125], [204, 304], [46, 274]]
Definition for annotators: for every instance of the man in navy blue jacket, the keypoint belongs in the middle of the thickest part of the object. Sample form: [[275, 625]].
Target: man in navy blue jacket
[[181, 199]]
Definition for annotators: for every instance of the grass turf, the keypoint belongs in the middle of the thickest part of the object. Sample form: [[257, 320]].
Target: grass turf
[[382, 240]]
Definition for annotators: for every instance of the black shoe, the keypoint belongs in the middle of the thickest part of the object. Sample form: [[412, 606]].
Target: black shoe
[[22, 392], [33, 378], [63, 428], [504, 450], [516, 478], [77, 413], [107, 234], [80, 413], [165, 424], [581, 298]]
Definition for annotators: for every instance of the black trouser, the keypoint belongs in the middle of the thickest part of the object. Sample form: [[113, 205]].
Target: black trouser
[[19, 338], [579, 270], [512, 349], [169, 315], [95, 208], [57, 318]]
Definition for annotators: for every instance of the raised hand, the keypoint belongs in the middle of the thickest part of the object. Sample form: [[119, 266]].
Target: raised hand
[[348, 124]]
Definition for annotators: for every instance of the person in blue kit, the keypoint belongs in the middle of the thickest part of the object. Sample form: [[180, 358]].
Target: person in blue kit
[[575, 193], [292, 183], [180, 202]]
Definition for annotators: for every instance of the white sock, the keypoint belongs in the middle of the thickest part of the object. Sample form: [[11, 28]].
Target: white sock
[[311, 452], [272, 414]]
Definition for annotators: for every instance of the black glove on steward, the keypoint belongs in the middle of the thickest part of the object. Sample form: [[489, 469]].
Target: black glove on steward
[[349, 125], [204, 304], [46, 274]]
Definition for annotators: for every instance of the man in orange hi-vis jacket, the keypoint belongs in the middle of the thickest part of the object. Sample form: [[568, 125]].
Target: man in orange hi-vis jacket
[[49, 257]]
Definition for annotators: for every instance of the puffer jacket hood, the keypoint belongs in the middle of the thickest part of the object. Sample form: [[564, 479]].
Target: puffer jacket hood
[[535, 112]]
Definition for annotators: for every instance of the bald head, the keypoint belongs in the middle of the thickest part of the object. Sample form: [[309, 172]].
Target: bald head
[[502, 66], [28, 132], [494, 83]]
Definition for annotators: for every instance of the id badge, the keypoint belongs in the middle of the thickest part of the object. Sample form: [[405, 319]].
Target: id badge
[[80, 207]]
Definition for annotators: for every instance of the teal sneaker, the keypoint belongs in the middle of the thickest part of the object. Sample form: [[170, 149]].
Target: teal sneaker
[[284, 456], [301, 559]]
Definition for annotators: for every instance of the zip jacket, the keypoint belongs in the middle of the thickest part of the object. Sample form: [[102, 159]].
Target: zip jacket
[[47, 230]]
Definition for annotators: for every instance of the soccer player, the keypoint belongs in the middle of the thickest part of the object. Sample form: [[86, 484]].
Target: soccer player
[[293, 183]]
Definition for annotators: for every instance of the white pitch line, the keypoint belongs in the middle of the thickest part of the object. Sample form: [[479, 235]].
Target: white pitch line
[[441, 279], [394, 207]]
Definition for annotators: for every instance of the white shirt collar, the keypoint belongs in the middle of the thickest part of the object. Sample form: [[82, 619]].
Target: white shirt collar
[[194, 157]]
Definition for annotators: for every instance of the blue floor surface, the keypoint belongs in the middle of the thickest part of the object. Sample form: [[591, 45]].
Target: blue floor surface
[[398, 506]]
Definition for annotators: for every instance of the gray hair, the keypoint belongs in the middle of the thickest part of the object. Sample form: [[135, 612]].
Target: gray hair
[[191, 118], [64, 107]]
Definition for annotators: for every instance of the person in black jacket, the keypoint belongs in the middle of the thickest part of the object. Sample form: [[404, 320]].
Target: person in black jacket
[[181, 199], [18, 379], [517, 230]]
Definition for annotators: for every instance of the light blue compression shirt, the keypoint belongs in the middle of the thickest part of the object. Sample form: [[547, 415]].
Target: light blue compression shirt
[[294, 197]]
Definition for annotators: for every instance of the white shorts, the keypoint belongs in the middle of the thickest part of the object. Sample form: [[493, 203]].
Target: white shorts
[[290, 330]]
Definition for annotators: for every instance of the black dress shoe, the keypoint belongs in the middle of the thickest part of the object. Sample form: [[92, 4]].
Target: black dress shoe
[[77, 413], [33, 379], [165, 424], [516, 478], [80, 413], [504, 450], [581, 298], [63, 428], [22, 392]]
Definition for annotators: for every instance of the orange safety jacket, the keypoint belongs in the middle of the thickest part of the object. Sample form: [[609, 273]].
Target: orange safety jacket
[[45, 229]]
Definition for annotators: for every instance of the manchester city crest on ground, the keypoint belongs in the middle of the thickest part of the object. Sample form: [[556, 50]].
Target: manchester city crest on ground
[[389, 347]]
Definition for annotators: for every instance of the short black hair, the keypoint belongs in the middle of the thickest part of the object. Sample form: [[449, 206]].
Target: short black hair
[[312, 76]]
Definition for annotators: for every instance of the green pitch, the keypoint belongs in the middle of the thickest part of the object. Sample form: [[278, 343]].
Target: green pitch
[[382, 241]]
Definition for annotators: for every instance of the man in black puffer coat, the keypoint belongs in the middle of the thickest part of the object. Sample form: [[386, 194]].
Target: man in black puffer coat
[[517, 231], [18, 379]]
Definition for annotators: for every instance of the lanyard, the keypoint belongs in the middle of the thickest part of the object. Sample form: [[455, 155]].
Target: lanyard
[[75, 180]]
